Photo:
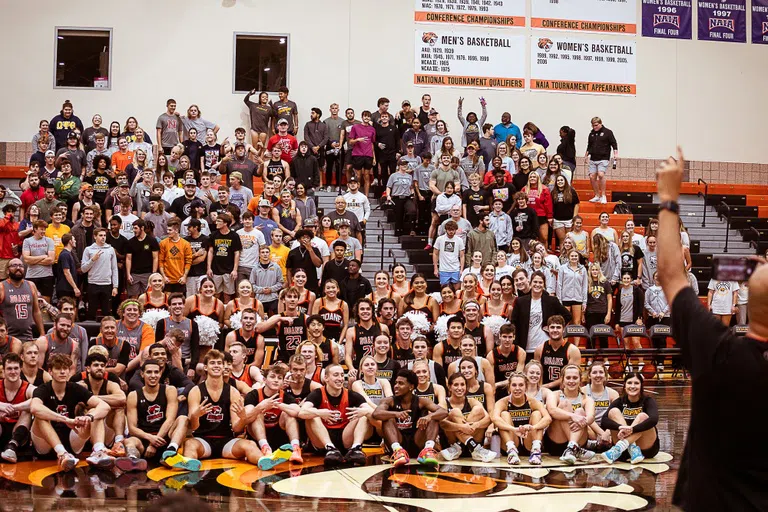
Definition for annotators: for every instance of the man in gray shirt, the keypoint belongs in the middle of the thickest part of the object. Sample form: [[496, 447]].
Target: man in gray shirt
[[38, 253], [286, 109], [169, 127]]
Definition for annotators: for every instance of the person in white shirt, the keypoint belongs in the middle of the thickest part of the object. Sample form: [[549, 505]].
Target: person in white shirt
[[464, 226], [448, 255], [358, 203], [722, 299], [251, 239], [316, 242], [126, 218]]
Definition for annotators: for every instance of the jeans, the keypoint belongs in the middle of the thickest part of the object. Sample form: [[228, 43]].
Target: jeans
[[99, 296]]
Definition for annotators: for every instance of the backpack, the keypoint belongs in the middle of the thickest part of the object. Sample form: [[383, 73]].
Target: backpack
[[622, 208]]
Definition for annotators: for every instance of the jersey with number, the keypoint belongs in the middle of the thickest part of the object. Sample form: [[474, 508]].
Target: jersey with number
[[364, 340], [553, 361], [17, 309], [504, 366], [289, 337]]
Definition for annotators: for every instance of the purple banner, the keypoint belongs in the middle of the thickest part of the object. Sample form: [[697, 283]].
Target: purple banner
[[670, 19], [723, 20], [760, 21]]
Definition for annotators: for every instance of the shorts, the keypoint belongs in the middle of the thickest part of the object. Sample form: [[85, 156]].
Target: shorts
[[158, 452], [73, 443], [44, 285], [277, 437], [217, 447], [553, 448], [570, 303], [191, 288], [336, 435], [362, 162], [224, 284], [559, 224], [409, 443], [597, 166], [139, 286], [449, 278]]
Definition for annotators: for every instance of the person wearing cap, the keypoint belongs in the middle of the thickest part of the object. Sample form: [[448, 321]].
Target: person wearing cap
[[48, 172], [471, 125], [305, 257], [85, 198], [505, 128], [387, 147], [354, 247], [362, 138], [404, 117], [285, 140], [241, 164], [64, 123], [263, 221], [67, 185], [430, 128], [318, 243], [473, 162], [342, 214], [8, 196], [358, 203], [197, 210], [224, 257], [182, 206], [73, 152], [401, 189], [239, 195]]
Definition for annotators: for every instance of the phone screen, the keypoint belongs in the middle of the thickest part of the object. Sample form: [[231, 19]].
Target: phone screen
[[732, 268]]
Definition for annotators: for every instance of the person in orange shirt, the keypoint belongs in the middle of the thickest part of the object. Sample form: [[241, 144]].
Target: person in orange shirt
[[175, 258], [122, 157], [278, 252]]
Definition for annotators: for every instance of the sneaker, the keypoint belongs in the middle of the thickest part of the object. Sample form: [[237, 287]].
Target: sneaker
[[628, 369], [375, 183], [266, 450], [635, 454], [128, 464], [428, 457], [535, 458], [513, 458], [453, 452], [296, 457], [428, 247], [273, 459], [659, 369], [595, 199], [603, 200], [568, 456], [333, 457], [9, 455], [67, 461], [592, 444], [400, 457], [481, 454], [117, 450], [356, 456], [611, 455], [100, 459], [175, 460], [583, 455]]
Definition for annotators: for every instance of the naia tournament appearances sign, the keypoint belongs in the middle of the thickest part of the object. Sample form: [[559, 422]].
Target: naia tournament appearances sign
[[670, 19], [589, 66], [724, 20], [760, 21], [492, 13], [481, 60], [614, 16]]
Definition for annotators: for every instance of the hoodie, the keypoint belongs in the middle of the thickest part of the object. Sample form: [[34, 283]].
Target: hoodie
[[306, 170], [60, 127], [103, 271]]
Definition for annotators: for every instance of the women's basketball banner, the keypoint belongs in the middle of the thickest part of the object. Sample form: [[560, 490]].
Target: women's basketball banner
[[612, 16], [670, 19], [723, 20], [482, 60], [587, 66], [760, 21], [492, 13]]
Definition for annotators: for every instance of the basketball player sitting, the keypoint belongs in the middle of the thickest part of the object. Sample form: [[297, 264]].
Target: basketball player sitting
[[572, 413], [96, 382], [15, 419]]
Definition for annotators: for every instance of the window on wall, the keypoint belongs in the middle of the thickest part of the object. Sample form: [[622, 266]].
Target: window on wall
[[83, 58], [261, 62]]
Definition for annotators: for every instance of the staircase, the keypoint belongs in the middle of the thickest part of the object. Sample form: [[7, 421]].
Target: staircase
[[712, 237]]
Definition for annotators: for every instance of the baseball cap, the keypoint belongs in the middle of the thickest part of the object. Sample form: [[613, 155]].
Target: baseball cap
[[72, 135], [432, 111], [409, 143], [237, 175], [86, 186], [190, 181], [402, 161], [352, 178], [282, 121], [264, 202], [50, 153], [123, 184], [312, 221], [405, 102], [238, 143]]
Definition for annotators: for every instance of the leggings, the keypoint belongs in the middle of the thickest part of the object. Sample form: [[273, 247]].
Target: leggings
[[387, 167], [592, 319], [99, 296], [333, 166], [425, 212]]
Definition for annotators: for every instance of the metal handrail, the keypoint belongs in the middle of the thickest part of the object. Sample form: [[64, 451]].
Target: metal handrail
[[706, 197], [391, 253], [381, 239], [756, 242], [728, 223]]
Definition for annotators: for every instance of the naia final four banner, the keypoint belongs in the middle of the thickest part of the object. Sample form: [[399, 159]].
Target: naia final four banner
[[491, 13], [465, 58], [759, 21], [608, 16], [670, 19], [723, 20], [587, 66]]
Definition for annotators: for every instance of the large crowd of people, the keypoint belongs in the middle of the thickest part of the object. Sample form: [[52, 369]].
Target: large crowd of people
[[190, 249]]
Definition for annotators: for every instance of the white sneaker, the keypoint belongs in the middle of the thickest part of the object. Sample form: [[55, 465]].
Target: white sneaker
[[375, 183], [100, 459], [481, 454], [453, 452], [640, 367], [660, 368], [603, 199], [595, 199]]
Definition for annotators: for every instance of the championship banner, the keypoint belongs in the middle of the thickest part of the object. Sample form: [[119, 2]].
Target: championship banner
[[723, 20], [760, 21], [482, 60], [611, 16], [587, 66], [491, 13], [670, 19]]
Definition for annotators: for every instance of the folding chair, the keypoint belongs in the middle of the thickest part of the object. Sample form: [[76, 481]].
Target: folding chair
[[578, 335]]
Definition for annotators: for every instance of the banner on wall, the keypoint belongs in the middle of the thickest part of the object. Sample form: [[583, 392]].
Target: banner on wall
[[613, 16], [587, 66], [465, 58], [723, 20], [670, 19], [492, 13], [760, 21]]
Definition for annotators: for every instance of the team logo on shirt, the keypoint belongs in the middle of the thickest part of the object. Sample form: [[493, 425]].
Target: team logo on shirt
[[216, 415], [62, 409], [154, 413]]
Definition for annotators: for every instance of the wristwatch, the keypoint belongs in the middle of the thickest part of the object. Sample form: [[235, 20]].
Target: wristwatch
[[671, 206]]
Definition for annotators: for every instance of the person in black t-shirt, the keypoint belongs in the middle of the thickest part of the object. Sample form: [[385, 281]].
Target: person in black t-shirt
[[500, 189], [181, 206], [475, 200], [338, 267], [305, 256], [57, 426], [224, 257], [141, 258], [193, 148], [354, 286], [200, 244], [67, 265], [120, 244]]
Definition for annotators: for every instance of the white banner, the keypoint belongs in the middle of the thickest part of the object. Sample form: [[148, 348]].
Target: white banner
[[492, 13], [613, 16], [590, 66], [465, 58]]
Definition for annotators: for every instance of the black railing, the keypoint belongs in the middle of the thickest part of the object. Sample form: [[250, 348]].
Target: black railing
[[756, 242], [706, 198], [392, 265], [728, 222]]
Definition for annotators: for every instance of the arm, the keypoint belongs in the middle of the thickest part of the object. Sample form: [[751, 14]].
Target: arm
[[671, 273], [116, 398], [36, 313]]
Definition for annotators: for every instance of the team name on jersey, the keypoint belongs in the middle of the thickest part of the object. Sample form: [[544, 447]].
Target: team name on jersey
[[520, 413], [216, 415], [155, 413], [631, 412], [15, 298]]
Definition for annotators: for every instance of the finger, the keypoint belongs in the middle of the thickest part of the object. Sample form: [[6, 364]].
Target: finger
[[680, 156]]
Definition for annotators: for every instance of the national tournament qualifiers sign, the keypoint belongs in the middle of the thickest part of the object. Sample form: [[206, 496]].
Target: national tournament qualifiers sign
[[613, 16], [468, 58], [760, 21], [669, 19], [724, 20], [492, 13], [587, 66]]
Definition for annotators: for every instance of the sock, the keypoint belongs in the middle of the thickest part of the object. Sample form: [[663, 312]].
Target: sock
[[572, 445], [263, 443], [471, 444], [330, 446], [396, 446], [429, 241], [536, 445], [622, 445], [59, 449], [174, 447], [355, 447], [295, 443], [429, 444], [118, 438], [97, 447], [20, 437], [511, 447]]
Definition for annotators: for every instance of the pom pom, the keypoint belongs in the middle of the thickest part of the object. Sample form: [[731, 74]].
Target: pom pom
[[209, 331], [235, 320], [152, 316], [437, 296], [494, 323], [441, 328], [420, 323]]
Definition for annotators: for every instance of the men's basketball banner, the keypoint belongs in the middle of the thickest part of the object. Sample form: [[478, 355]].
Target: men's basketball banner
[[760, 21], [613, 16], [589, 66], [482, 60], [492, 13], [670, 19], [723, 20]]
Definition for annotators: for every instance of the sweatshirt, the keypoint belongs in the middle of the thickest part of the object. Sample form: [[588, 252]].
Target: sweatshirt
[[270, 277], [102, 271], [501, 225], [572, 284], [305, 169], [483, 241]]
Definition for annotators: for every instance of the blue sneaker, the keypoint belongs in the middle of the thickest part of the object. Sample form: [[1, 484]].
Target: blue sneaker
[[635, 454], [611, 455], [277, 457]]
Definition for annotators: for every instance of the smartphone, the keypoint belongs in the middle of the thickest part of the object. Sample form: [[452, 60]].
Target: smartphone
[[732, 268]]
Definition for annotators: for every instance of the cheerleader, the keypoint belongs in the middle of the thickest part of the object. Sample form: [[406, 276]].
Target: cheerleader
[[400, 284], [382, 288], [244, 300], [155, 297], [494, 304], [306, 297]]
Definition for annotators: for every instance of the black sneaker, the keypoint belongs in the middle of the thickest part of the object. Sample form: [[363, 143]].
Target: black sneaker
[[356, 457], [333, 457]]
